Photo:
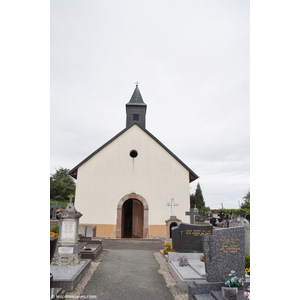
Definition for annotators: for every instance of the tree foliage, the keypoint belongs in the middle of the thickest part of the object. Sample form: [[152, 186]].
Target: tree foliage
[[198, 200], [246, 203], [61, 185]]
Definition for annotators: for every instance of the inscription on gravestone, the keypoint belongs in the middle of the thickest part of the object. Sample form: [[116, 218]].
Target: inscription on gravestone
[[224, 251], [189, 237]]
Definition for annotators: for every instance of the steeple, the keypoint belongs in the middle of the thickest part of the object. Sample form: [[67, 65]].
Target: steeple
[[136, 109]]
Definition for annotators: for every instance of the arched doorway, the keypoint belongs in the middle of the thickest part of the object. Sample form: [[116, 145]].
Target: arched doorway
[[132, 217], [174, 224]]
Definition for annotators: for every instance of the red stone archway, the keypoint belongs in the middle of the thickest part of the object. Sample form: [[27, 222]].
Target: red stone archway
[[119, 214]]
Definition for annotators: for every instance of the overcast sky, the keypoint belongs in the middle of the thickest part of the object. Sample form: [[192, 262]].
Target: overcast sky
[[192, 60]]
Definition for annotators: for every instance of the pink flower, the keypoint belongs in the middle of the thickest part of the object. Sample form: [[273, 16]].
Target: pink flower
[[246, 294], [232, 272], [232, 280]]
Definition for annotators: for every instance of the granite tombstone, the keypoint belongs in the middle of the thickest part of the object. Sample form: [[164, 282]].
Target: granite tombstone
[[224, 251], [189, 237]]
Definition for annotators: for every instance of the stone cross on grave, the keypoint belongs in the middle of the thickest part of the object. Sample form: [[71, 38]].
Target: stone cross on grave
[[54, 207], [172, 204], [71, 196], [192, 213]]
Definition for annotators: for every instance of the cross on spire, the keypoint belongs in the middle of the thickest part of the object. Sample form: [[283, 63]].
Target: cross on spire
[[137, 83], [172, 204]]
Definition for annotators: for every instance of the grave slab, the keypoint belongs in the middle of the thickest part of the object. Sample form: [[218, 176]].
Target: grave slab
[[68, 276], [195, 271]]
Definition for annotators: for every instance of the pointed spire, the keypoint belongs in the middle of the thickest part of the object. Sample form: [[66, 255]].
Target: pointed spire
[[136, 98], [136, 109]]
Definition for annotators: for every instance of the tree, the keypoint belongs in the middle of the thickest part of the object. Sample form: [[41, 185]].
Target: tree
[[246, 203], [198, 200], [61, 185]]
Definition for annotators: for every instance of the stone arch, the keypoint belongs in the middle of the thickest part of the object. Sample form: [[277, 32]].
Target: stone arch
[[119, 213]]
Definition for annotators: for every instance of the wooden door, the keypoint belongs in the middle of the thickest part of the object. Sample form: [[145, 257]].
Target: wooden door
[[137, 219]]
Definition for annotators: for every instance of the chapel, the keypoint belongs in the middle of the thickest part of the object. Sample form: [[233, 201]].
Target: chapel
[[124, 186]]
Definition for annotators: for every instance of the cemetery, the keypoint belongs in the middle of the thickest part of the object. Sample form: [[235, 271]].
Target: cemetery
[[206, 261]]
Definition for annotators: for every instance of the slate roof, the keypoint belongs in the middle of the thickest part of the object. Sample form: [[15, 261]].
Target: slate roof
[[136, 98], [192, 176]]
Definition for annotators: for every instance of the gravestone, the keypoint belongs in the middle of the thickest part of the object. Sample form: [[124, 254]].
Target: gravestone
[[82, 230], [87, 231], [199, 219], [90, 231], [236, 222], [224, 251], [192, 213], [54, 207], [188, 237], [67, 250]]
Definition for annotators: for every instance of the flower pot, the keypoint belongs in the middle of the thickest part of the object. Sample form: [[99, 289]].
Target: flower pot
[[230, 293]]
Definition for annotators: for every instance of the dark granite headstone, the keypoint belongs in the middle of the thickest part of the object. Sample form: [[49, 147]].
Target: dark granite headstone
[[189, 237], [224, 251], [53, 242]]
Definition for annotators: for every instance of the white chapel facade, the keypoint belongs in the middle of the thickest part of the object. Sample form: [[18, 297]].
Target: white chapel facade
[[124, 186]]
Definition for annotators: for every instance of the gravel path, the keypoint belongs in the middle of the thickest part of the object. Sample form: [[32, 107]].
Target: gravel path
[[118, 250]]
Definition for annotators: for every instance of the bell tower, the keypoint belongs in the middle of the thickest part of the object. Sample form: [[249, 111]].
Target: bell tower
[[136, 109]]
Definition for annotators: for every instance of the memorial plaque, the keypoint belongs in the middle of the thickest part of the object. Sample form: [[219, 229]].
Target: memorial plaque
[[224, 251], [189, 237], [65, 250], [68, 230]]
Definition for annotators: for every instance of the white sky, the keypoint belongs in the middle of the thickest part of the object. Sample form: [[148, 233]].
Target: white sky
[[192, 59]]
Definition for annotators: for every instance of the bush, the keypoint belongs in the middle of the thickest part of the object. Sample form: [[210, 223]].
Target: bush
[[247, 261], [55, 229], [247, 264]]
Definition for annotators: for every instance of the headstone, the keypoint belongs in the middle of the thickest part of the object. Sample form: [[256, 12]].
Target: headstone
[[199, 219], [193, 213], [54, 207], [67, 250], [53, 242], [90, 231], [87, 231], [224, 251], [188, 237], [247, 239], [82, 230], [236, 222]]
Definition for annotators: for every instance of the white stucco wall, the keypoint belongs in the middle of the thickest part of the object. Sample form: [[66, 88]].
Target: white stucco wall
[[111, 174]]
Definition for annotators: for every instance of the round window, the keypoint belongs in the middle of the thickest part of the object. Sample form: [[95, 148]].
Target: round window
[[133, 153]]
